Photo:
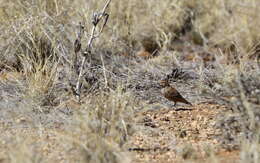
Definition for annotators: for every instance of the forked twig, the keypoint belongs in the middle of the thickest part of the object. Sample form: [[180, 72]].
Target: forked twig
[[96, 17]]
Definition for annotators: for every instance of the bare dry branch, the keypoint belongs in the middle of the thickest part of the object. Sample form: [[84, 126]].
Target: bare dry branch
[[97, 16]]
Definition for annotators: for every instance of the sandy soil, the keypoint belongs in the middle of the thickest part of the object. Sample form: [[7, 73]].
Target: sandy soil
[[175, 135]]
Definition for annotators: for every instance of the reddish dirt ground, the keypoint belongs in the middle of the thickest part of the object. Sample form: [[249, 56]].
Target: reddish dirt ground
[[172, 135]]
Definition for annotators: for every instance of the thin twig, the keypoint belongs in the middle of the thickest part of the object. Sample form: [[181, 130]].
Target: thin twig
[[104, 70]]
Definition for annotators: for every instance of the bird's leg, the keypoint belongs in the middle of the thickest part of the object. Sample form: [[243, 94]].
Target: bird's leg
[[174, 104]]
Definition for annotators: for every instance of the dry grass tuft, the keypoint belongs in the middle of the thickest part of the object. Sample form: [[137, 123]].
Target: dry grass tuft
[[103, 126], [238, 88]]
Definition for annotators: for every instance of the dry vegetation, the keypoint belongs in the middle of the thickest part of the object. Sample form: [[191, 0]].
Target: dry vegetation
[[210, 49]]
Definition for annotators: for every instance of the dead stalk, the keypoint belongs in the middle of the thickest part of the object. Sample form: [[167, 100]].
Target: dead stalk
[[104, 70], [97, 16]]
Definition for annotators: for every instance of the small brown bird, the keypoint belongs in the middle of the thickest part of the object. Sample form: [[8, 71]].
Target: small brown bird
[[171, 93]]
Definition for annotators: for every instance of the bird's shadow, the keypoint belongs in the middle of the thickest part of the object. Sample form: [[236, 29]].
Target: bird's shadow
[[183, 109]]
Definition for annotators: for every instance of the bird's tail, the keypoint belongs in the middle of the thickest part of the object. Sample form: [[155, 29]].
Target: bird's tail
[[186, 102]]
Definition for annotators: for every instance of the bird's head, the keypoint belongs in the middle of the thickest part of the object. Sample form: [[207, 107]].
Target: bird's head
[[164, 83]]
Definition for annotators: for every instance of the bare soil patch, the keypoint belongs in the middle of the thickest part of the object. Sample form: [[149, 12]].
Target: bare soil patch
[[175, 135]]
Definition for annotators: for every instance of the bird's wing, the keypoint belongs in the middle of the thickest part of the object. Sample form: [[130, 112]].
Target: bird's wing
[[172, 93]]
